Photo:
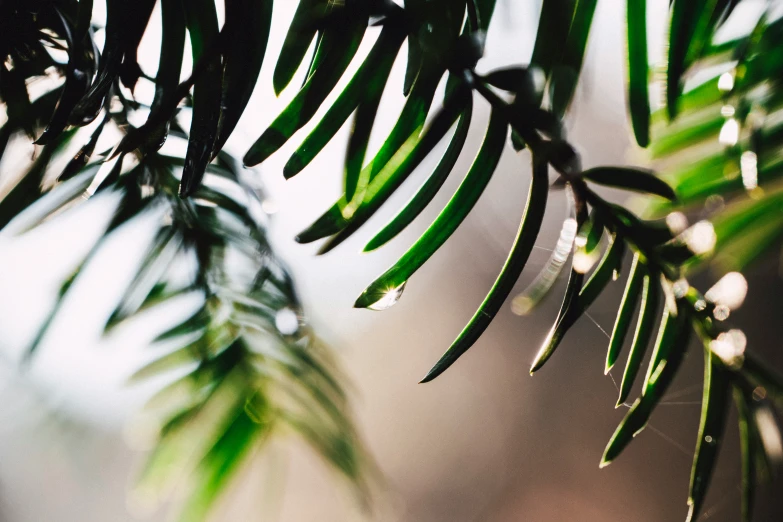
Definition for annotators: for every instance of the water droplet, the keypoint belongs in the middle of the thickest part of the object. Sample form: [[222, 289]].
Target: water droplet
[[721, 312], [146, 191], [700, 238], [714, 203], [700, 305], [286, 321], [759, 393], [680, 288], [730, 347], [584, 261], [677, 222], [708, 439], [730, 291], [115, 105], [729, 133], [726, 82], [615, 274], [749, 169], [389, 298], [727, 111]]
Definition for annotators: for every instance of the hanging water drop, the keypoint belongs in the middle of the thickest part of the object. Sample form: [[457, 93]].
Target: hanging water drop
[[730, 291], [388, 299], [721, 312], [729, 133], [726, 82]]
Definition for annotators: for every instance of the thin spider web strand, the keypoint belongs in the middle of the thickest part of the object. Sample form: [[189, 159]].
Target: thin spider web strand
[[683, 392], [598, 325], [661, 434], [723, 503]]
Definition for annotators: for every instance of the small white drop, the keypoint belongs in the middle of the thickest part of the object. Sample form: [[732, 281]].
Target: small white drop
[[730, 291], [286, 321], [729, 133], [677, 222], [680, 288], [749, 169], [721, 312], [700, 238], [730, 348], [726, 82], [389, 299]]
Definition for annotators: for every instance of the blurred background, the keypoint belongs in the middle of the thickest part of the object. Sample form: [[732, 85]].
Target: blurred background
[[484, 442]]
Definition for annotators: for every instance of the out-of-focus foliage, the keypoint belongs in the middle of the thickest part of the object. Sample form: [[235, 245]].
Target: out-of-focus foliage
[[246, 366], [716, 141]]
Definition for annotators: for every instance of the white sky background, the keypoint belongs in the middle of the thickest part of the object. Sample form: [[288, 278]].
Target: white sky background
[[81, 373]]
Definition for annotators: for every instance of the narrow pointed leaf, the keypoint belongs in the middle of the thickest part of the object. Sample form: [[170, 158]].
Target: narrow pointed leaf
[[399, 167], [427, 191], [553, 27], [360, 138], [625, 313], [410, 121], [223, 460], [125, 23], [134, 29], [77, 81], [714, 410], [298, 38], [673, 338], [414, 64], [607, 267], [682, 33], [565, 75], [638, 71], [202, 23], [639, 180], [644, 329], [342, 48], [368, 82], [248, 23], [397, 170], [570, 310], [449, 219], [517, 259]]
